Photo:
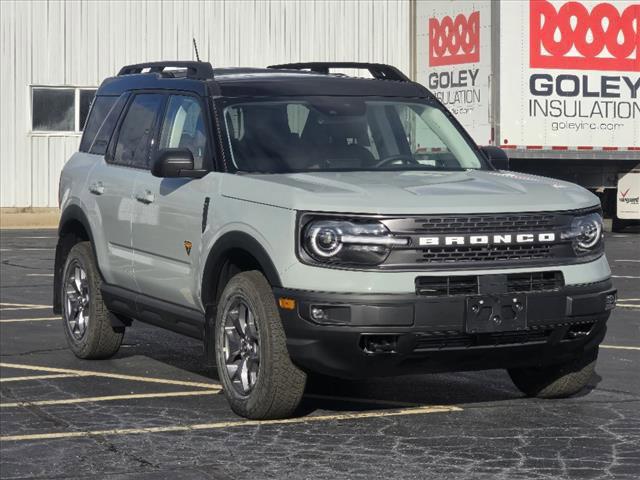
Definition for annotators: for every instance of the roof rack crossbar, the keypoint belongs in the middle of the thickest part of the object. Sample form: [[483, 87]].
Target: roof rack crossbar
[[379, 71], [195, 70]]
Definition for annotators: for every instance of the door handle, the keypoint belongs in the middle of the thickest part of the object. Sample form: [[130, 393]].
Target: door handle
[[97, 188], [145, 197]]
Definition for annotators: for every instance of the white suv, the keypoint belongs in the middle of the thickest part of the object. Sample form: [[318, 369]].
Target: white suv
[[300, 221]]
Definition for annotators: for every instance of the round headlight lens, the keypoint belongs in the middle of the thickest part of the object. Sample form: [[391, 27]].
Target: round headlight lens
[[590, 232], [325, 240], [585, 232]]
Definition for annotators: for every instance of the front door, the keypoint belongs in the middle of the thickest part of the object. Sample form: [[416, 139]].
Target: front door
[[168, 215]]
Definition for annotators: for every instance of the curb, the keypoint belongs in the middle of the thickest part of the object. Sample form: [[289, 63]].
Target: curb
[[13, 218]]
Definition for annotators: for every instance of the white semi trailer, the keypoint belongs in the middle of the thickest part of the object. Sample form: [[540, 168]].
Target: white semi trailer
[[554, 83]]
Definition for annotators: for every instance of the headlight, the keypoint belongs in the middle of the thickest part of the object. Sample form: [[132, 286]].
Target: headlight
[[585, 232], [349, 242]]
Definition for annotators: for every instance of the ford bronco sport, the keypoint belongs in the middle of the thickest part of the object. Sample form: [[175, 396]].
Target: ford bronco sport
[[301, 221]]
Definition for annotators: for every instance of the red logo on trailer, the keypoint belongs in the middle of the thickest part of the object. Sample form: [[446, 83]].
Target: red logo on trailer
[[454, 41], [574, 38]]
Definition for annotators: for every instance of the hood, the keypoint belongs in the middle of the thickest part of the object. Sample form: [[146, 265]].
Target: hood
[[409, 192]]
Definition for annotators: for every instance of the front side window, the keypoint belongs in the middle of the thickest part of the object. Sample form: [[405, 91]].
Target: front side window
[[136, 131], [345, 133], [184, 127]]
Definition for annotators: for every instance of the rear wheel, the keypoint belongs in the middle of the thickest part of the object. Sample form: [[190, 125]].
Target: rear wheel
[[556, 381], [87, 322], [258, 377]]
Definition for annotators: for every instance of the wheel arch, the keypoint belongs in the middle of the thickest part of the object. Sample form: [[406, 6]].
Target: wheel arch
[[242, 250], [73, 228]]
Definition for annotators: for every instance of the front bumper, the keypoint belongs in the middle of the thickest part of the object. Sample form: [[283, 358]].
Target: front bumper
[[367, 335]]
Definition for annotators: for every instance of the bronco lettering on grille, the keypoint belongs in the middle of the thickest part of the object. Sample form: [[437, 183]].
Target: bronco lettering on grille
[[603, 39], [519, 238]]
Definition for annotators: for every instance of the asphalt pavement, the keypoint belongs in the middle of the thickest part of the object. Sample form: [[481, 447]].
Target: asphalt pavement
[[154, 411]]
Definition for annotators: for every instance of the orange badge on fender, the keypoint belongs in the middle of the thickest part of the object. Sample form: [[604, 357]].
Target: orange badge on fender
[[187, 246]]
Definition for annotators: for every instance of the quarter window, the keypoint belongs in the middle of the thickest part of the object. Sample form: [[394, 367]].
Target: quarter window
[[102, 120], [183, 127], [137, 130]]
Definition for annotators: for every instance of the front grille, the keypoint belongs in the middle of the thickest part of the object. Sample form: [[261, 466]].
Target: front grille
[[483, 223], [440, 286], [534, 282], [445, 286], [443, 339], [456, 339], [481, 241], [485, 253]]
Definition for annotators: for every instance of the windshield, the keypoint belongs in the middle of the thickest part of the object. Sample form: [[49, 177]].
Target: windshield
[[306, 134]]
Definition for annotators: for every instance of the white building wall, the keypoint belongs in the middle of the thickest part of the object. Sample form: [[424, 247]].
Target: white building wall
[[79, 43]]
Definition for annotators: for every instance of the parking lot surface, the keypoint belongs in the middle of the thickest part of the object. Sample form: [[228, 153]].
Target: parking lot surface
[[154, 410]]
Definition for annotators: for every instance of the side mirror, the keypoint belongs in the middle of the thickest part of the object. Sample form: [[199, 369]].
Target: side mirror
[[174, 163], [496, 156]]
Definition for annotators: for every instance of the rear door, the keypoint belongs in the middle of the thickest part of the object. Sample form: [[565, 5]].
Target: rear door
[[169, 212]]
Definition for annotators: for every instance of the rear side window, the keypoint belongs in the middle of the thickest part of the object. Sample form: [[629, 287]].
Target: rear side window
[[99, 111], [137, 129]]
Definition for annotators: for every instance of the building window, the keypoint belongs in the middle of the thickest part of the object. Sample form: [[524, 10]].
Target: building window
[[60, 109]]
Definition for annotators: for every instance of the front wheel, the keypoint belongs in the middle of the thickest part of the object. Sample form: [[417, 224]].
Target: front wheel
[[258, 377], [556, 381]]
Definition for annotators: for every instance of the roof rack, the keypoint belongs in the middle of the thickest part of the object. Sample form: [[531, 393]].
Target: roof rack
[[195, 70], [379, 71]]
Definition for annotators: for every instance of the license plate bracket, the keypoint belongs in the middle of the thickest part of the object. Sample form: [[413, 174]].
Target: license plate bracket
[[496, 313]]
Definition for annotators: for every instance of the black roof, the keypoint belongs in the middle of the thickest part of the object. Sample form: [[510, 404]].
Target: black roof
[[274, 81]]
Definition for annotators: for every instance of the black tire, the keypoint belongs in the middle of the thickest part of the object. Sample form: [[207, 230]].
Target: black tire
[[99, 340], [279, 384], [556, 381]]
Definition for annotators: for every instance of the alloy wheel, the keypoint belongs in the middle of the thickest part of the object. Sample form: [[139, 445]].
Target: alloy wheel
[[76, 300], [241, 346]]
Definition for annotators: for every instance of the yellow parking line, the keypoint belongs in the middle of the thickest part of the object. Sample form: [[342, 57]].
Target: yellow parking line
[[241, 423], [40, 377], [10, 306], [17, 320], [620, 347], [110, 375], [109, 398]]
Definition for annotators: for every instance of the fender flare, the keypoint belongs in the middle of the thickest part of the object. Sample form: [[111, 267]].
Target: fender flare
[[76, 214], [231, 241]]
